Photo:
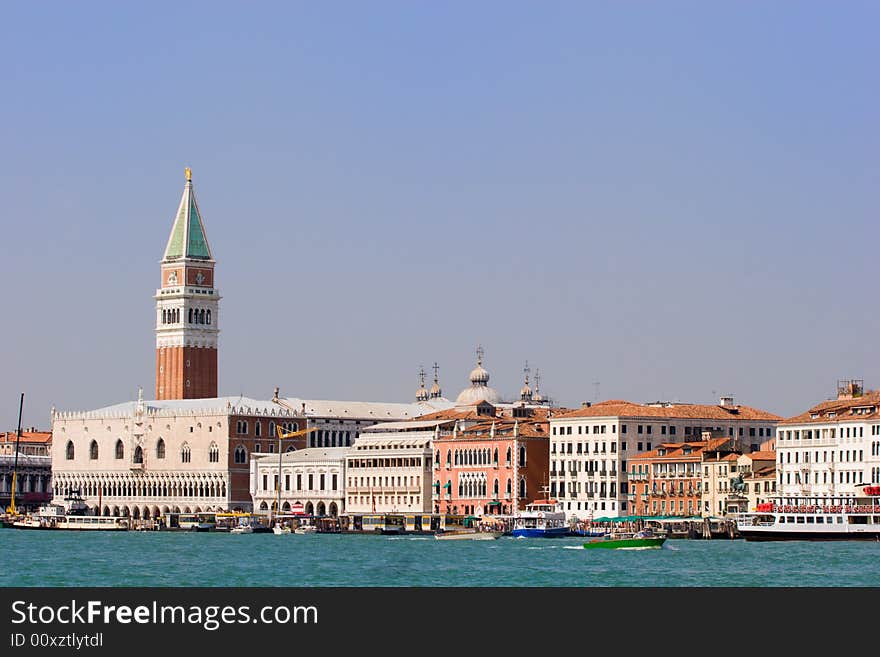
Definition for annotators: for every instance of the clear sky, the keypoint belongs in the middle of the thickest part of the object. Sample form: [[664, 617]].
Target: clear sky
[[646, 201]]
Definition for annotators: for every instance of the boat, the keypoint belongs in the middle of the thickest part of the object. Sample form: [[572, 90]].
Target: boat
[[279, 530], [640, 540], [540, 519], [814, 518], [306, 529], [467, 534], [71, 515], [197, 522], [243, 527]]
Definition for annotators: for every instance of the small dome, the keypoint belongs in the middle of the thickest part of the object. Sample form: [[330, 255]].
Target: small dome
[[525, 392], [421, 394], [479, 375], [435, 390]]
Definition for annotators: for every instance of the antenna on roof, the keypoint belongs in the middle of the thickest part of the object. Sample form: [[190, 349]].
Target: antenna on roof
[[596, 391]]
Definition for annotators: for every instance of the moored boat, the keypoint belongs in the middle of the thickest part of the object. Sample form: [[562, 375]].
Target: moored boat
[[540, 519], [814, 518], [467, 535]]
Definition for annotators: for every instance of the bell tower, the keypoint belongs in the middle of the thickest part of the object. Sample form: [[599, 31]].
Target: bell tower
[[187, 308]]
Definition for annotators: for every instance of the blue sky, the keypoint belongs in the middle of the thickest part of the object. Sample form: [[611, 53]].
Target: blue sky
[[675, 200]]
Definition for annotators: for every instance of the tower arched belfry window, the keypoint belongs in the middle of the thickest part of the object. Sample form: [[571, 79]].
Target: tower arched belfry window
[[240, 454], [209, 316], [69, 452], [120, 449], [160, 449], [190, 316], [93, 450]]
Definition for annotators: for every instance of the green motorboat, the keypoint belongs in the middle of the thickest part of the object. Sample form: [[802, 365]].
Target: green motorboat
[[639, 540]]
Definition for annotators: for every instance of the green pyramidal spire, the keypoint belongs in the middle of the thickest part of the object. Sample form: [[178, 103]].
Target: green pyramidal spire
[[188, 239]]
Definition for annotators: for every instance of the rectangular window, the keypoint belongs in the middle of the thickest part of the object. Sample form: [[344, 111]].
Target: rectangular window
[[322, 487], [311, 482], [648, 431], [663, 429], [287, 482], [622, 447], [640, 428], [265, 482], [622, 428], [299, 482], [639, 446], [672, 430]]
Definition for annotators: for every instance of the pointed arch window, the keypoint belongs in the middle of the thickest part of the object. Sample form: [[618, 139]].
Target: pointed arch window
[[185, 454], [214, 453], [69, 452], [93, 450], [138, 454], [240, 454], [160, 449], [120, 449]]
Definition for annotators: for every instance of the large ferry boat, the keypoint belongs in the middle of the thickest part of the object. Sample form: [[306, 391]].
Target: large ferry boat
[[540, 519], [814, 518]]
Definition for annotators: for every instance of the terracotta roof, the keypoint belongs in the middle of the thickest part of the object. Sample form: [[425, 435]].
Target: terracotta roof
[[762, 456], [528, 428], [842, 410], [40, 437], [673, 451], [620, 408]]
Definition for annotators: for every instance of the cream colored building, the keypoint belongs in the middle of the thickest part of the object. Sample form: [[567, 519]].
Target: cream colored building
[[147, 458], [758, 471], [313, 477], [833, 449], [590, 447], [389, 468]]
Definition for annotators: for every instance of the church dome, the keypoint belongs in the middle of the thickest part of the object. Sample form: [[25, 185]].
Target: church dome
[[479, 375], [479, 388], [477, 393]]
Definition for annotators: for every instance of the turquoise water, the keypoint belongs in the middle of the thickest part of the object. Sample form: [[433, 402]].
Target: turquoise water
[[220, 559]]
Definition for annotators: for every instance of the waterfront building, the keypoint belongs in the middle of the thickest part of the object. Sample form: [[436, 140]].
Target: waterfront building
[[590, 447], [758, 471], [144, 458], [33, 480], [723, 488], [187, 308], [31, 442], [668, 480], [312, 479], [389, 468], [832, 449], [494, 465]]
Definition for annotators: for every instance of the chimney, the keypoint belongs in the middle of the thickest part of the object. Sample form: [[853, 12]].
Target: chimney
[[586, 404], [727, 401]]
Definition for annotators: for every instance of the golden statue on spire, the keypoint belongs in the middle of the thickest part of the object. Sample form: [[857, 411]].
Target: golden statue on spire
[[188, 173]]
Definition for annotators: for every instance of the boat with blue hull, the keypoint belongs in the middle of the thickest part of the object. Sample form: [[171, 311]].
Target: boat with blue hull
[[540, 519]]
